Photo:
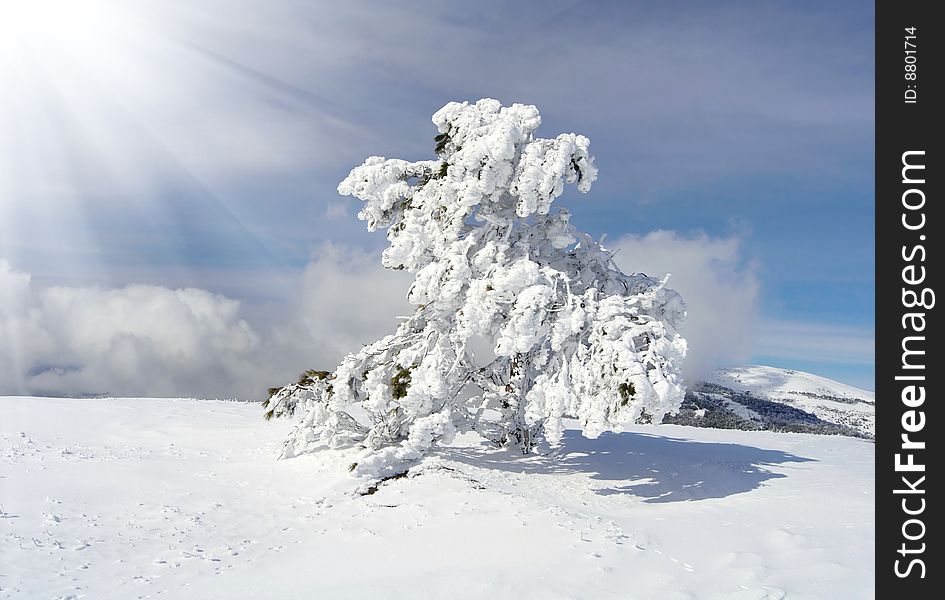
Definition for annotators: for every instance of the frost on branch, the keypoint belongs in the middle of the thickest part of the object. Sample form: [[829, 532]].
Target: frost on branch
[[520, 319]]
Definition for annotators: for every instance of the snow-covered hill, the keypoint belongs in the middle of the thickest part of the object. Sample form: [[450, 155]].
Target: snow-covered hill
[[759, 397], [184, 499], [777, 383], [829, 400]]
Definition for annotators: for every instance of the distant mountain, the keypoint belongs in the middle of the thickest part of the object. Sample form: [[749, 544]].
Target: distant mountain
[[758, 397]]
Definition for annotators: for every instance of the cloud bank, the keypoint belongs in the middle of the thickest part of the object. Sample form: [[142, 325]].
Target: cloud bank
[[135, 340], [149, 340], [145, 340]]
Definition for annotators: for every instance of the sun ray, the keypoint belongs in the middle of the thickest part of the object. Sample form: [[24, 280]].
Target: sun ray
[[102, 122]]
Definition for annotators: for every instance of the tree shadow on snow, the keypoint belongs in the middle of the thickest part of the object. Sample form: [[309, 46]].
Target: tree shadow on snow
[[654, 467]]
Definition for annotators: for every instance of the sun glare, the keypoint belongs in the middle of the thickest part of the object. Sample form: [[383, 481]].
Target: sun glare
[[74, 25], [113, 109], [56, 57]]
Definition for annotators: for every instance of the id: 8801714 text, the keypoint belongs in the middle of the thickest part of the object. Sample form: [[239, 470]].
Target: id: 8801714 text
[[911, 95]]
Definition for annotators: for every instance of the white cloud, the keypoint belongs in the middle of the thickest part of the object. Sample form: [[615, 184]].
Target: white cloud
[[720, 290], [336, 211], [22, 337], [135, 340], [345, 299], [145, 340]]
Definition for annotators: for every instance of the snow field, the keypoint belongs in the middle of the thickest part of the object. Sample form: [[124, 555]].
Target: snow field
[[143, 498]]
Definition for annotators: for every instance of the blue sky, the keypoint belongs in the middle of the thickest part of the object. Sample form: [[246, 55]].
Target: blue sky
[[199, 144]]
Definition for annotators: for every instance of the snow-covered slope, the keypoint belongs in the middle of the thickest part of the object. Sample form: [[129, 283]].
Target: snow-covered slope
[[183, 499], [774, 382], [829, 400]]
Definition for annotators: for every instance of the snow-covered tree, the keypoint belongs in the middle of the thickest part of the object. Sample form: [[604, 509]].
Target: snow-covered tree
[[520, 320]]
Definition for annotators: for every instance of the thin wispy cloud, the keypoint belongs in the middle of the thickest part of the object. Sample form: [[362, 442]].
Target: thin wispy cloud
[[205, 96], [822, 342]]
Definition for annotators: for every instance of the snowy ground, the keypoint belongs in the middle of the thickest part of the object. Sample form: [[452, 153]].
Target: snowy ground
[[183, 499]]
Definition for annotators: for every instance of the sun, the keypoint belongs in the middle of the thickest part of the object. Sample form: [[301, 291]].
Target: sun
[[54, 40], [115, 114], [64, 65], [44, 26]]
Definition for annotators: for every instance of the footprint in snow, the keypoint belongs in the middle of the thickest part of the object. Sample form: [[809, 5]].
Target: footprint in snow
[[686, 566]]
